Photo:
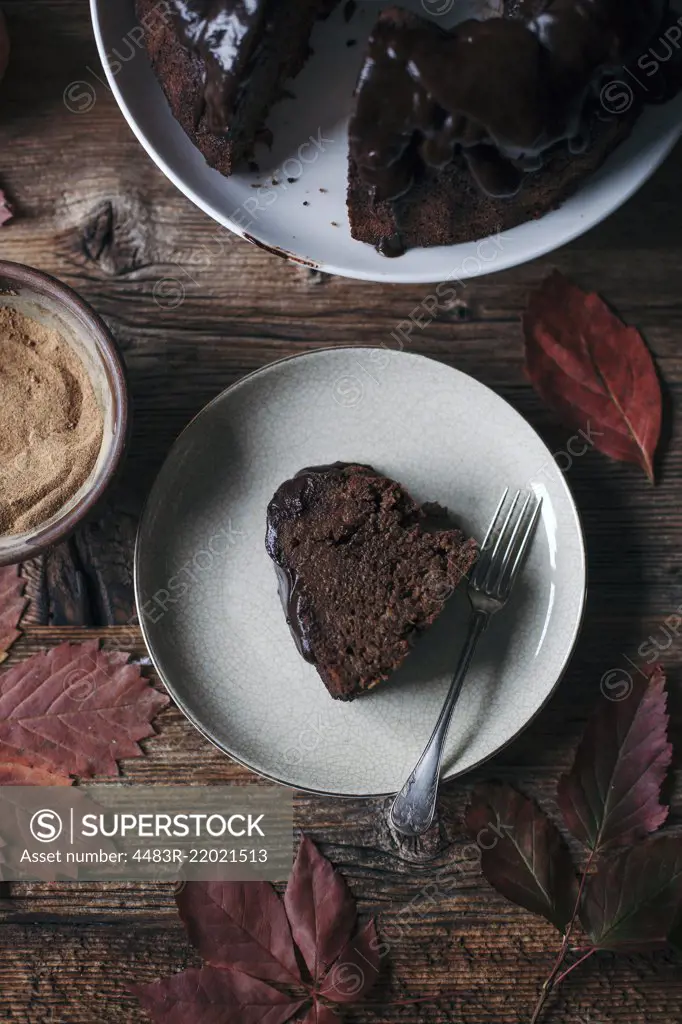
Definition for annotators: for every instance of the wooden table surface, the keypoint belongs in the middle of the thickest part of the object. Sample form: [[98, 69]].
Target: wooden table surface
[[93, 210]]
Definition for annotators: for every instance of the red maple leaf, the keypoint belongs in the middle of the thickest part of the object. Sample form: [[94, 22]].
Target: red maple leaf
[[75, 710], [246, 935], [13, 773]]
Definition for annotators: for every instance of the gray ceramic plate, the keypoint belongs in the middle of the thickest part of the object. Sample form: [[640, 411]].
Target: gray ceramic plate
[[207, 595]]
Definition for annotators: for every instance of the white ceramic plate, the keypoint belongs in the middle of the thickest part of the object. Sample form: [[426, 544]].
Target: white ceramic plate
[[319, 234], [207, 594]]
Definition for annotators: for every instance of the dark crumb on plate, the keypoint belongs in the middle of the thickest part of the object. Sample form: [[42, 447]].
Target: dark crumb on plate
[[325, 190], [334, 224], [292, 180], [306, 203]]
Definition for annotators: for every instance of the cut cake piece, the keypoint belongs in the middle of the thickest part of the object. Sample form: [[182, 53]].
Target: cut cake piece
[[223, 63], [360, 573]]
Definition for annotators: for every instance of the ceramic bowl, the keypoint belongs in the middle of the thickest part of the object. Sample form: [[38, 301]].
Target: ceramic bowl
[[54, 304]]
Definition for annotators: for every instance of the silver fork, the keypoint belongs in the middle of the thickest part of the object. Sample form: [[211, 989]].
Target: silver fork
[[500, 560]]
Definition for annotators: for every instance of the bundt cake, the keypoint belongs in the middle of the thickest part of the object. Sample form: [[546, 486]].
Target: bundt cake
[[360, 572], [454, 134], [464, 133]]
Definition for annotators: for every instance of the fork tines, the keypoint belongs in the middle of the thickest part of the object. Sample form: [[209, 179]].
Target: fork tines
[[506, 543]]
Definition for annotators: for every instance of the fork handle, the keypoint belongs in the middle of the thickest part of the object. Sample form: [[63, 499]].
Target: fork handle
[[415, 805]]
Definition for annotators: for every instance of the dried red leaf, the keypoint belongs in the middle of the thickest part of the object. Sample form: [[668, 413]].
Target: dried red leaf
[[611, 796], [214, 996], [320, 909], [522, 853], [76, 710], [240, 925], [244, 931], [356, 969], [12, 600], [595, 372], [319, 1013], [634, 900], [15, 774]]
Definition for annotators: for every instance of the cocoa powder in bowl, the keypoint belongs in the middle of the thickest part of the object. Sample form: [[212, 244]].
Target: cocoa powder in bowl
[[51, 425]]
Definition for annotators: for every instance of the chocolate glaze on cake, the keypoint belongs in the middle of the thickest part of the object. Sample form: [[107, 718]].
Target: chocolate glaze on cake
[[360, 575], [456, 135], [502, 93], [224, 33], [223, 63]]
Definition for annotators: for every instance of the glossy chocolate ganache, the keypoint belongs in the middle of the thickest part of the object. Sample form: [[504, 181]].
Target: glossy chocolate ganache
[[245, 46], [503, 91], [224, 33]]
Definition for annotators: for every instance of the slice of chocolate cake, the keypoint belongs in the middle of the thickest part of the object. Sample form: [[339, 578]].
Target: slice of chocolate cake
[[457, 135], [223, 63], [360, 572]]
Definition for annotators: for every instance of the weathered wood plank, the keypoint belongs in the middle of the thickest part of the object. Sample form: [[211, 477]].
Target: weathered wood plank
[[490, 973]]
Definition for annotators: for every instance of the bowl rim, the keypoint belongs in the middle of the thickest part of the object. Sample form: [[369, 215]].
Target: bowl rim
[[107, 348]]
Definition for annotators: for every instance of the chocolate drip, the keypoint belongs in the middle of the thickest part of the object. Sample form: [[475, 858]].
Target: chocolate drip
[[289, 502], [504, 91], [224, 33]]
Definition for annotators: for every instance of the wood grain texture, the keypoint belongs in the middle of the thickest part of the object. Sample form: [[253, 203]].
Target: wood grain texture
[[194, 309]]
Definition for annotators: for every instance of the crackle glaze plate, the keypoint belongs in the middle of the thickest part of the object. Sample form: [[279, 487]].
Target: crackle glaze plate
[[305, 219], [207, 592]]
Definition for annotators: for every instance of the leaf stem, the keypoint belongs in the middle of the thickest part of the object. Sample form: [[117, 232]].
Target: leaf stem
[[586, 956], [554, 977]]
